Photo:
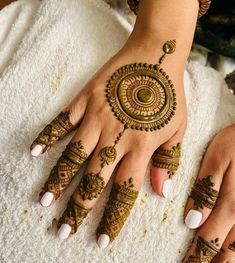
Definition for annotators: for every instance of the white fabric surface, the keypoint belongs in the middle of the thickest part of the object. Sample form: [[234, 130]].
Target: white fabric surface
[[63, 44]]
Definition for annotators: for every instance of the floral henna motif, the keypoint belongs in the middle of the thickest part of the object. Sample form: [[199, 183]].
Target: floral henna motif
[[121, 201], [205, 251], [66, 168], [91, 186], [55, 131], [203, 193], [167, 159], [73, 215]]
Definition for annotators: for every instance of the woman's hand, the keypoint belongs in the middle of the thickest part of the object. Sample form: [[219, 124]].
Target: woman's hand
[[211, 205], [101, 134]]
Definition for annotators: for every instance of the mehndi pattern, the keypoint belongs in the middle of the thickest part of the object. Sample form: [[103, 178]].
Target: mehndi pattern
[[205, 251], [203, 193], [66, 168], [73, 215], [167, 159], [117, 210], [55, 131]]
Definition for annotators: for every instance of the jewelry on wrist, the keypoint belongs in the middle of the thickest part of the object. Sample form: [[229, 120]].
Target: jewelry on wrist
[[203, 6]]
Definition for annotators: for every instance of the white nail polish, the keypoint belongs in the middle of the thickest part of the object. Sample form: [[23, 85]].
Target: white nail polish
[[36, 150], [193, 219], [166, 189], [64, 231], [103, 241], [46, 199]]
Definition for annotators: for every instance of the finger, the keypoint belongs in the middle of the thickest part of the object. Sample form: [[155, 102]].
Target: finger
[[91, 185], [127, 183], [63, 124], [212, 234], [165, 162], [75, 154], [205, 190], [227, 253]]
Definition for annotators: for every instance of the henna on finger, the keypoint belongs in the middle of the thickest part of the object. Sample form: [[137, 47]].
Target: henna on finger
[[117, 210], [66, 168], [205, 251], [73, 215], [203, 193], [167, 159], [54, 131]]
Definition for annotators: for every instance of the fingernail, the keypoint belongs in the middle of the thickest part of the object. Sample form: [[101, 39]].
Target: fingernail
[[46, 199], [64, 231], [36, 150], [166, 189], [103, 241], [193, 219]]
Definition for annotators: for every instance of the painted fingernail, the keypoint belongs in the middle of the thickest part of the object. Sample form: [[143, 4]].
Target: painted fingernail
[[64, 231], [36, 150], [46, 199], [193, 219], [166, 189], [103, 241]]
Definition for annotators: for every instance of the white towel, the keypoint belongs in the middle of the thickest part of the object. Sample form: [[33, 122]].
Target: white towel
[[47, 53]]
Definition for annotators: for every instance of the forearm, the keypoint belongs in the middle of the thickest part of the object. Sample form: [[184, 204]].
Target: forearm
[[161, 20]]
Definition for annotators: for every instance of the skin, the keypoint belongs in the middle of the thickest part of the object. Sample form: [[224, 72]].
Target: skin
[[219, 161]]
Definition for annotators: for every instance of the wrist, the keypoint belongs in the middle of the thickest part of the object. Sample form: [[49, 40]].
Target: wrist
[[161, 20]]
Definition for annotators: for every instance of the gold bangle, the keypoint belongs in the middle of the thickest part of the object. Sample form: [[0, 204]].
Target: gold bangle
[[204, 5]]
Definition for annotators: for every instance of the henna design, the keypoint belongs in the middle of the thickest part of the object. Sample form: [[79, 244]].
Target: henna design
[[205, 251], [204, 5], [55, 131], [67, 166], [117, 210], [108, 155], [203, 193], [73, 215], [167, 159], [232, 246], [91, 186]]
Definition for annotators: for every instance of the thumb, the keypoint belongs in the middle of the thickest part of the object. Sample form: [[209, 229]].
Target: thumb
[[165, 162]]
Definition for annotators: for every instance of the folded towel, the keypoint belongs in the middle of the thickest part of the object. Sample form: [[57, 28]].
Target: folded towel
[[47, 53]]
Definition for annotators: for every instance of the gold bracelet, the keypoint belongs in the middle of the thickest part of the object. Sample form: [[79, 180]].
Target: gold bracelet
[[203, 6]]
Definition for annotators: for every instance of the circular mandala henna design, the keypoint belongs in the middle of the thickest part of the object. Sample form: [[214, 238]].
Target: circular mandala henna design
[[141, 96]]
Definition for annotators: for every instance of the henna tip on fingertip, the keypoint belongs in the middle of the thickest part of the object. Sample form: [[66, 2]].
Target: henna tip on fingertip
[[46, 199], [36, 150], [103, 241], [193, 219], [64, 231]]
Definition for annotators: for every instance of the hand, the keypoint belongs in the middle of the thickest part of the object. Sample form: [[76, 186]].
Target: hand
[[101, 134], [211, 203]]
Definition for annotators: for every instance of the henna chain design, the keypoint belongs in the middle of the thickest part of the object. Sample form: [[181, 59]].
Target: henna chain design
[[55, 131], [204, 5], [73, 215], [203, 193], [66, 168], [117, 210], [167, 159], [205, 251]]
